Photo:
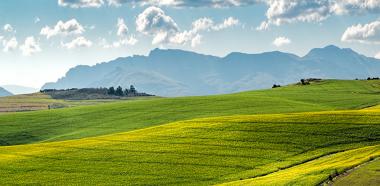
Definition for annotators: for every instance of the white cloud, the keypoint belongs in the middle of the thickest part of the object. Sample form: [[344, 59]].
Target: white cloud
[[197, 40], [8, 28], [281, 41], [153, 21], [229, 22], [10, 45], [30, 46], [63, 28], [122, 28], [123, 38], [81, 3], [202, 24], [368, 33], [356, 6], [288, 11], [78, 42], [169, 3], [377, 55]]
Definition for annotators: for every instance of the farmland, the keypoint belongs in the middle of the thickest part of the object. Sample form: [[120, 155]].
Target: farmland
[[294, 135]]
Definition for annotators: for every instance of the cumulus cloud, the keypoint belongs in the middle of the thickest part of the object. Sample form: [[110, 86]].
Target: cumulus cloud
[[10, 45], [122, 28], [81, 3], [154, 22], [8, 28], [170, 3], [78, 42], [196, 40], [229, 22], [356, 6], [201, 24], [281, 41], [368, 33], [287, 11], [123, 38], [63, 28], [30, 46]]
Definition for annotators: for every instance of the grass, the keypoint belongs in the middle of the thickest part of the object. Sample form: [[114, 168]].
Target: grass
[[103, 119], [28, 102], [298, 148], [40, 101], [293, 135], [316, 171], [368, 174]]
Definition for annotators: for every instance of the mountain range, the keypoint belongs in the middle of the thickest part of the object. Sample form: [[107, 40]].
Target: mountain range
[[173, 72], [4, 92], [16, 89]]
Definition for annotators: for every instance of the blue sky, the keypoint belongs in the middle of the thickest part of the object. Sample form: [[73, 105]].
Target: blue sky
[[41, 39]]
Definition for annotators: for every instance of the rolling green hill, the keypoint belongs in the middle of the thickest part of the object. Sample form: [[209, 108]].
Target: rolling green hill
[[296, 134], [308, 147], [79, 122]]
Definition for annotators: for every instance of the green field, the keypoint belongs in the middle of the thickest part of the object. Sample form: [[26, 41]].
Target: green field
[[41, 101], [293, 135], [368, 175]]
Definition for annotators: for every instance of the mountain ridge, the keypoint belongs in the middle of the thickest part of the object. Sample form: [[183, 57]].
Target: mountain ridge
[[4, 92], [175, 72]]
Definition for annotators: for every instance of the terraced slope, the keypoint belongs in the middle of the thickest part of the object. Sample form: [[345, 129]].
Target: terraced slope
[[205, 151], [88, 121]]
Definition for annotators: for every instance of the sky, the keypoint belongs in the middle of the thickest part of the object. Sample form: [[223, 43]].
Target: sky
[[40, 40]]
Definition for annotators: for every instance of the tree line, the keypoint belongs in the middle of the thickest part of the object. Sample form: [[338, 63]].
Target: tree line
[[111, 91], [119, 91]]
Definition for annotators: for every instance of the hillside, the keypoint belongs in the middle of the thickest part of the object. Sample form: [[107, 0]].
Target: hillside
[[297, 134], [182, 73], [40, 101], [300, 149], [4, 92], [79, 122]]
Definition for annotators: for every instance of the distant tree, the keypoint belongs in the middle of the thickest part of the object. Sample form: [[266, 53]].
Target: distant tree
[[276, 86], [126, 92], [305, 82], [119, 91], [111, 91], [132, 90]]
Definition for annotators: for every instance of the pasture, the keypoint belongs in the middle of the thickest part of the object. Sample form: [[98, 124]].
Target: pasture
[[293, 135]]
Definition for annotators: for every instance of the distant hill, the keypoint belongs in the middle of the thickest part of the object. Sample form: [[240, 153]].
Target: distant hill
[[16, 89], [180, 73], [93, 93], [4, 92]]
